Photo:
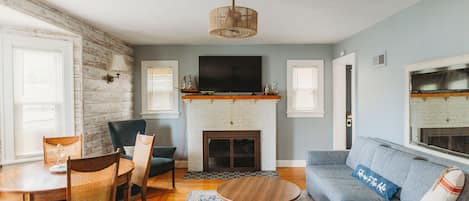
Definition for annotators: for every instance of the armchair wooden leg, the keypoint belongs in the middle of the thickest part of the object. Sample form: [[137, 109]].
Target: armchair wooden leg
[[144, 194], [173, 178]]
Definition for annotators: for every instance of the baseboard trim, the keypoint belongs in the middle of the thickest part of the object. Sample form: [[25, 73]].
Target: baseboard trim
[[180, 164], [291, 163], [280, 163]]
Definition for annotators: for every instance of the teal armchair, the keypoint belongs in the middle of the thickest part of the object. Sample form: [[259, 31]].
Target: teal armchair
[[123, 133]]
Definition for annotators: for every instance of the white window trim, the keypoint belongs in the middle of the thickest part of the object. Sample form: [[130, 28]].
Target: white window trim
[[7, 41], [422, 66], [167, 114], [291, 113]]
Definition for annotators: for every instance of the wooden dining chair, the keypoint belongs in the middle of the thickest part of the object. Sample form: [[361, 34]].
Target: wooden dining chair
[[72, 146], [93, 179], [142, 155]]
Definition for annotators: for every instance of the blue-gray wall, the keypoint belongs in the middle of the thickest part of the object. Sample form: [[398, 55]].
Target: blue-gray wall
[[294, 136], [428, 30]]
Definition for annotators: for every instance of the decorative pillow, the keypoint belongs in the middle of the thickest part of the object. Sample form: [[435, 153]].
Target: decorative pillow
[[375, 182], [129, 150], [447, 187]]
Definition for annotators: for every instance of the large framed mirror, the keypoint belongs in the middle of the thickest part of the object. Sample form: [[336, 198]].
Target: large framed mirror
[[437, 107]]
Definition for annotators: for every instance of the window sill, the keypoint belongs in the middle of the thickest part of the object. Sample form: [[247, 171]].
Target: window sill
[[160, 115], [305, 114]]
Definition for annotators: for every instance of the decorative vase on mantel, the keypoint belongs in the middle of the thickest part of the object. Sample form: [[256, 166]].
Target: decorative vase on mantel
[[188, 85]]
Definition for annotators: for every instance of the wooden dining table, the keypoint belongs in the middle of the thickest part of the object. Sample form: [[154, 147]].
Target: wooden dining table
[[34, 182]]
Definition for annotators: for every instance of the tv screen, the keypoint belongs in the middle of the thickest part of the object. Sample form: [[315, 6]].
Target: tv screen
[[440, 81], [230, 73]]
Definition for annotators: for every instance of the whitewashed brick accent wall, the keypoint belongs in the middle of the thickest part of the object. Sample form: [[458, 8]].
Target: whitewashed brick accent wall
[[101, 102]]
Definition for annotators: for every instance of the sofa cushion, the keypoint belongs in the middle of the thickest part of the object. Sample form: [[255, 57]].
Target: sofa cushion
[[392, 164], [422, 175], [465, 191], [337, 183], [362, 152]]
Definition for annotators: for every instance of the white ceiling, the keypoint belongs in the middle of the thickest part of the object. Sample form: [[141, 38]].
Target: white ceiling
[[13, 18], [186, 21]]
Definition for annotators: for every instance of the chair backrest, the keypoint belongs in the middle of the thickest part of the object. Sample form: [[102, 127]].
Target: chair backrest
[[123, 133], [93, 178], [142, 157], [72, 146]]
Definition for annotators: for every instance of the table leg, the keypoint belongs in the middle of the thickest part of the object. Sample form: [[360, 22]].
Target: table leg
[[26, 197]]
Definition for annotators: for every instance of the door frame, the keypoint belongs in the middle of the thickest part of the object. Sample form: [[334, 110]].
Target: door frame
[[339, 100]]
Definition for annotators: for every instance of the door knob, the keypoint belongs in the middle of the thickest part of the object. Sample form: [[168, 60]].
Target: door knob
[[348, 121]]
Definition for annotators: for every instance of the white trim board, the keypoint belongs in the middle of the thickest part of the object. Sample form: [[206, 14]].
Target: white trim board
[[280, 163], [339, 99], [421, 66], [291, 163]]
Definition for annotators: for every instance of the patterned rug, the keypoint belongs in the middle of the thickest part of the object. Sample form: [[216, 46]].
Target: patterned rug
[[228, 175], [212, 196]]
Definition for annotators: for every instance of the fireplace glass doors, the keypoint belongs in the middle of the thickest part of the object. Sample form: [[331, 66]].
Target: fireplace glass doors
[[231, 150]]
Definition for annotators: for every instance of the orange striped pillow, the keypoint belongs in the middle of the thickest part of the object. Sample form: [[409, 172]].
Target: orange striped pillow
[[447, 187]]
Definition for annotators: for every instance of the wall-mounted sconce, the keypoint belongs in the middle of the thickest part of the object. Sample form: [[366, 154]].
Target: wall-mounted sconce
[[118, 64]]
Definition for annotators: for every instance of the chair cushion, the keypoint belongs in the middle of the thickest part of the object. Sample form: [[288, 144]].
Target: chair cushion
[[337, 183], [422, 175], [363, 150], [160, 165], [129, 150]]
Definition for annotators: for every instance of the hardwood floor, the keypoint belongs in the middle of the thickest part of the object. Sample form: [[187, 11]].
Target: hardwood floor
[[160, 187]]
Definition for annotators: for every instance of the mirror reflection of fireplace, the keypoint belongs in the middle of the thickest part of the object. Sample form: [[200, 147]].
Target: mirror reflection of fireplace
[[439, 109], [453, 139]]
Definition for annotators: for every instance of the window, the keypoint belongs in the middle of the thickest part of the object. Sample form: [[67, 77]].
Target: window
[[159, 90], [37, 91], [305, 88]]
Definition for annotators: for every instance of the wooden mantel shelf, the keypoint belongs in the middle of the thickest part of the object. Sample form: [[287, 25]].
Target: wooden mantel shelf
[[442, 95], [230, 97]]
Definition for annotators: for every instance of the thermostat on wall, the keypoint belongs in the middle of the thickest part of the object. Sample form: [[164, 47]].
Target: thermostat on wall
[[379, 60]]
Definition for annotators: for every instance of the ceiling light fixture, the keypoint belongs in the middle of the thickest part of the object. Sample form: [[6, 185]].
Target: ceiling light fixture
[[233, 22]]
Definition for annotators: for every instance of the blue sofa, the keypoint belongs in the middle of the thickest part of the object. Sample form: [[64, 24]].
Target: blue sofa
[[328, 173]]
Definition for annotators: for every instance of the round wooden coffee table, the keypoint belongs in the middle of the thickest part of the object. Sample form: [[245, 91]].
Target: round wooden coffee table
[[259, 189]]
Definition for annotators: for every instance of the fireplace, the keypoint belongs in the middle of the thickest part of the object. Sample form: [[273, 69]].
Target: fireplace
[[231, 151], [216, 113], [451, 139]]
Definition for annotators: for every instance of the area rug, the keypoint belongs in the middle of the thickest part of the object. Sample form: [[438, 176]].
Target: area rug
[[212, 196], [228, 175]]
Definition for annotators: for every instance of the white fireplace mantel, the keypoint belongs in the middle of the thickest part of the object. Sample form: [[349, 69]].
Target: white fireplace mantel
[[231, 114]]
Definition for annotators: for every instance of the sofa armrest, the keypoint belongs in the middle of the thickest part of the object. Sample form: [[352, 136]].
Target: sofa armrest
[[327, 157], [164, 151]]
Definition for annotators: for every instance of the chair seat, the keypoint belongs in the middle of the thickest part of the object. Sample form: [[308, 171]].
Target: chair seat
[[160, 165]]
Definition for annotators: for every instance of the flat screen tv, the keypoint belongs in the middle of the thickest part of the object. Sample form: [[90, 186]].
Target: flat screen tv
[[230, 73], [447, 79]]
